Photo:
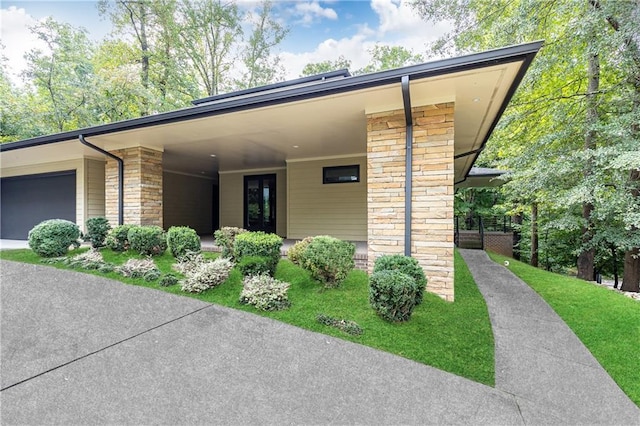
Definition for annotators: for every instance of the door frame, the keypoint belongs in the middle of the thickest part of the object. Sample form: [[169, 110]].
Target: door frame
[[272, 197]]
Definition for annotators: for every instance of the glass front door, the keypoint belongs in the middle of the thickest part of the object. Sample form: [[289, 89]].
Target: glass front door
[[260, 203]]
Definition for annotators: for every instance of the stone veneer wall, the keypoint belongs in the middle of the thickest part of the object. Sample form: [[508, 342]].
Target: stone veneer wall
[[433, 189], [142, 187]]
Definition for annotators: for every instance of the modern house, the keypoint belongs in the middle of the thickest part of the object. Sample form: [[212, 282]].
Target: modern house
[[372, 158]]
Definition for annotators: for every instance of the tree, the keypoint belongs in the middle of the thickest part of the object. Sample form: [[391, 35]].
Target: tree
[[389, 57], [315, 68], [63, 76]]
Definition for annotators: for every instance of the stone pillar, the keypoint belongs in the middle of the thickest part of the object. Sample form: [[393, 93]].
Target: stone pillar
[[433, 188], [142, 187]]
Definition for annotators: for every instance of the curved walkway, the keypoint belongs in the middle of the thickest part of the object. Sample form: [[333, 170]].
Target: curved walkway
[[80, 349]]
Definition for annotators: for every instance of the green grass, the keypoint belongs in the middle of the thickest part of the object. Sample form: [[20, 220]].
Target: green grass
[[455, 337], [608, 323]]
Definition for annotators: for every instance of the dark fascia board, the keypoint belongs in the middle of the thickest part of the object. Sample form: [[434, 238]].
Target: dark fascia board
[[289, 83], [522, 52]]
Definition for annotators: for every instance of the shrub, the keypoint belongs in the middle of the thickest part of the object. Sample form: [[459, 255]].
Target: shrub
[[118, 238], [91, 259], [182, 239], [259, 244], [254, 265], [207, 275], [97, 230], [53, 237], [296, 252], [225, 238], [405, 264], [349, 327], [188, 262], [392, 294], [329, 259], [168, 280], [265, 293], [139, 268], [147, 240]]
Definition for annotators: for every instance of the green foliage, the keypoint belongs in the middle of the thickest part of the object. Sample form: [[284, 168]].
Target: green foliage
[[118, 238], [296, 252], [392, 294], [406, 265], [182, 239], [167, 280], [329, 259], [97, 230], [255, 265], [265, 293], [53, 237], [259, 244], [147, 240], [316, 68], [348, 326], [225, 238]]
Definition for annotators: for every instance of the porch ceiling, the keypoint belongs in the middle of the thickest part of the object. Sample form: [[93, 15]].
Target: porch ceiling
[[332, 125]]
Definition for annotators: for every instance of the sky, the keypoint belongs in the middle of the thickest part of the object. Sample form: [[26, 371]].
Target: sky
[[319, 30]]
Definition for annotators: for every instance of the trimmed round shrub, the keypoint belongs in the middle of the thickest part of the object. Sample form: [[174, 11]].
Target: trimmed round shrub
[[225, 238], [392, 294], [97, 230], [405, 264], [259, 244], [296, 252], [254, 265], [147, 240], [118, 238], [329, 259], [53, 237], [182, 239], [168, 280], [265, 293]]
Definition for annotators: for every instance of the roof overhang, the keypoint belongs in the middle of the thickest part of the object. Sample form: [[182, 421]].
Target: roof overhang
[[482, 177], [267, 128]]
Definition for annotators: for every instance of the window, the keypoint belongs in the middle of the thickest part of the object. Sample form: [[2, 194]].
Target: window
[[341, 174]]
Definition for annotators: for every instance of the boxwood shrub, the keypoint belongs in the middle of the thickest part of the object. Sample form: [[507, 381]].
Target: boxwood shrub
[[405, 264], [147, 240], [254, 265], [296, 252], [52, 238], [225, 238], [259, 244], [392, 294], [97, 230], [182, 239], [118, 238], [329, 259]]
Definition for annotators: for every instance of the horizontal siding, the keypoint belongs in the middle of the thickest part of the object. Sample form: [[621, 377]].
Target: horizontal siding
[[95, 188], [338, 209], [188, 201]]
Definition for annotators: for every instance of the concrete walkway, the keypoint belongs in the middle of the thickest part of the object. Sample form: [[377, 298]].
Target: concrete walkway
[[552, 375], [80, 349]]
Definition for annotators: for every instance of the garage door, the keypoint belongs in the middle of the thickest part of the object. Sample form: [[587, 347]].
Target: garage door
[[26, 201]]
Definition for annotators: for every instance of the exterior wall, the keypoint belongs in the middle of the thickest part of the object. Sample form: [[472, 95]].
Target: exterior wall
[[432, 196], [89, 180], [499, 242], [232, 197], [188, 201], [338, 209], [142, 187]]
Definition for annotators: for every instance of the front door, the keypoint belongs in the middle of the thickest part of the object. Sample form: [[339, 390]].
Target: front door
[[260, 203]]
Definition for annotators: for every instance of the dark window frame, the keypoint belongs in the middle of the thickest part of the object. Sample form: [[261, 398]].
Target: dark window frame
[[331, 180]]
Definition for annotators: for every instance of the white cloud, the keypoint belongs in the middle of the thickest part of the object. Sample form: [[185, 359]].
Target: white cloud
[[397, 16], [17, 39], [310, 12]]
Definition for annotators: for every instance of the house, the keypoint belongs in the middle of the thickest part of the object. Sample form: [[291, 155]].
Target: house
[[370, 158]]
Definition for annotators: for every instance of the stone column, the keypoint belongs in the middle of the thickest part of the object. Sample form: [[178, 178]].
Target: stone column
[[432, 195], [142, 187]]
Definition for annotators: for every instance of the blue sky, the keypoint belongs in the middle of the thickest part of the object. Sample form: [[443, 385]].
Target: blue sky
[[319, 30]]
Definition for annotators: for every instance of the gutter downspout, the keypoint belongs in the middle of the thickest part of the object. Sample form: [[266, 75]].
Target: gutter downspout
[[408, 189], [83, 141]]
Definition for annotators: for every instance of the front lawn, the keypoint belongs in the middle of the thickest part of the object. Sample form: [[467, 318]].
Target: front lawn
[[455, 337], [606, 322]]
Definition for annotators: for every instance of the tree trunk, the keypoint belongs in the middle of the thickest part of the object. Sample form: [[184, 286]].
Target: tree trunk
[[631, 277], [534, 234], [517, 235], [586, 257]]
